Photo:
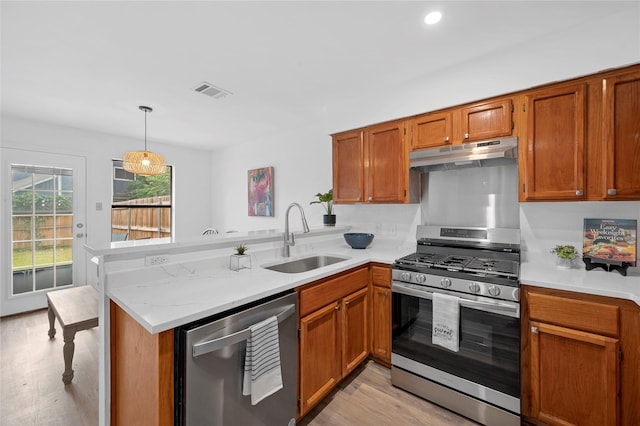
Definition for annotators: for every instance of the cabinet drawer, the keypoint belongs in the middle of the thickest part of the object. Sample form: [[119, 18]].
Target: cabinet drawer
[[318, 295], [381, 275], [573, 313]]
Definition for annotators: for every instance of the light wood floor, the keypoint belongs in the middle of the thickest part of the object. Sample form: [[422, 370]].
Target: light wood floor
[[32, 392], [31, 366], [367, 397]]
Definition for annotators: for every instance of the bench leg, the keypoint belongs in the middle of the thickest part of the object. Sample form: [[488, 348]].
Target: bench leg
[[67, 350], [52, 316]]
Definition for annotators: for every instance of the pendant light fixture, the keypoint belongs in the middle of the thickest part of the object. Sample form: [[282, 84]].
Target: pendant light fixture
[[145, 163]]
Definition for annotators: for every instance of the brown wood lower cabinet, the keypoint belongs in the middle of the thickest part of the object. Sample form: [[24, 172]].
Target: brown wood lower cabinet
[[335, 337], [320, 344], [141, 373], [573, 371], [580, 359], [334, 333], [381, 313]]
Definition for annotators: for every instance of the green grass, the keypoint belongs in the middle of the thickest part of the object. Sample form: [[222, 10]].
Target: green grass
[[44, 256]]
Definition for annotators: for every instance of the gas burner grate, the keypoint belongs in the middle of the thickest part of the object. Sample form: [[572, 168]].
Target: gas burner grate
[[421, 259], [493, 267], [453, 262]]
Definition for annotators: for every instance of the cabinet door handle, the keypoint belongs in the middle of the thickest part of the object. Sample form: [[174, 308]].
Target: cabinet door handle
[[611, 191], [579, 192], [386, 293], [347, 303], [534, 330], [446, 138], [370, 198], [466, 135], [337, 308], [358, 199]]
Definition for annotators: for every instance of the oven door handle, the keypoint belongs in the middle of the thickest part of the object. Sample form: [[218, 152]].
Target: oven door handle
[[513, 310], [501, 308]]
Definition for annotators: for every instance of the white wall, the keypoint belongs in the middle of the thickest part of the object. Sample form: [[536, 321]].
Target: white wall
[[302, 156], [301, 159], [192, 172]]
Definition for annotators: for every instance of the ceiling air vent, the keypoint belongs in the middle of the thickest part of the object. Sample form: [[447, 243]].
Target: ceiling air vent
[[211, 90]]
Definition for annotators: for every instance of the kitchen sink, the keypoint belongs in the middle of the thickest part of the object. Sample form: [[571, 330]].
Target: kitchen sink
[[305, 264]]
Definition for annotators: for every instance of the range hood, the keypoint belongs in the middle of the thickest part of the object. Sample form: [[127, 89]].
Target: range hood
[[476, 154]]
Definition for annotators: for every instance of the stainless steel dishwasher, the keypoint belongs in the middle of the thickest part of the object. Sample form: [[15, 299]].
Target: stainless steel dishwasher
[[210, 357]]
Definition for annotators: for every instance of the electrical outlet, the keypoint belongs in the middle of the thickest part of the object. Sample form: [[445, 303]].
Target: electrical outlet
[[155, 260]]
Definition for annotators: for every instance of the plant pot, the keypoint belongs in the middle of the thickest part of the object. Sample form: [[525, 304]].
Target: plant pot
[[329, 219], [564, 263], [239, 261]]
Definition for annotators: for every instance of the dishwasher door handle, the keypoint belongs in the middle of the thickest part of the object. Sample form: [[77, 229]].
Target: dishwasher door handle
[[238, 336]]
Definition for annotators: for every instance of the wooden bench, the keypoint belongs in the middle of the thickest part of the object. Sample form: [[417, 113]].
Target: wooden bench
[[76, 309]]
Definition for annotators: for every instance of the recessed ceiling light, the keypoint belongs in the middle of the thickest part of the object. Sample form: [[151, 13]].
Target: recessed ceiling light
[[432, 18]]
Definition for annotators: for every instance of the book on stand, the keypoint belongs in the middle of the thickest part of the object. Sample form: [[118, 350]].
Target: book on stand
[[610, 244]]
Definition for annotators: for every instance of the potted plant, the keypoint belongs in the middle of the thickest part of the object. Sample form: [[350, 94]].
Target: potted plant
[[565, 255], [240, 259], [326, 200]]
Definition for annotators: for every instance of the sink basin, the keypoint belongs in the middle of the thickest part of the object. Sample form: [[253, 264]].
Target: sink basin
[[305, 264]]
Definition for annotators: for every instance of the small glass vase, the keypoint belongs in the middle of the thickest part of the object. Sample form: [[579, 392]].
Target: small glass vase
[[239, 261], [564, 263]]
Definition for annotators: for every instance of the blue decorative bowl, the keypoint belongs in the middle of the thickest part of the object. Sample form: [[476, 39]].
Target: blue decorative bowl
[[358, 240]]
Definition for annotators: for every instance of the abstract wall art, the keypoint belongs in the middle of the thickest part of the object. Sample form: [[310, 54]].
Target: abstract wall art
[[261, 192]]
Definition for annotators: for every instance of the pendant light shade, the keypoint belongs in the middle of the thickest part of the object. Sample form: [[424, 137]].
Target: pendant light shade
[[145, 163]]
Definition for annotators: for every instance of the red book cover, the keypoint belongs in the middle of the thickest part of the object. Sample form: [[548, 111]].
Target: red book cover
[[611, 241]]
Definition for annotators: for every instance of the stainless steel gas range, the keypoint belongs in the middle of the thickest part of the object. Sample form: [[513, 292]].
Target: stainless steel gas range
[[478, 269]]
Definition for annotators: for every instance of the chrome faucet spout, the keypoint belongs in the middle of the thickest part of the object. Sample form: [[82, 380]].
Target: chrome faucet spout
[[288, 237]]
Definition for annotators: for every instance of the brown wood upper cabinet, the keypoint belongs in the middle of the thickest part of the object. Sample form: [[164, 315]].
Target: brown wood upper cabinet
[[386, 165], [431, 130], [487, 120], [578, 140], [621, 136], [554, 145], [474, 122], [371, 165], [348, 167]]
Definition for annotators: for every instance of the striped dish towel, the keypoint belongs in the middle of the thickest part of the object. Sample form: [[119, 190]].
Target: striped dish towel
[[262, 374]]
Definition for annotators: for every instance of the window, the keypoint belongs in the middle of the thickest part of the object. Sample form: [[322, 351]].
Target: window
[[141, 205]]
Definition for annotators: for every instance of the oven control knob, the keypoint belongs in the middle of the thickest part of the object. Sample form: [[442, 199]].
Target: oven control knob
[[420, 279], [516, 294], [406, 276], [494, 291], [474, 288], [445, 282]]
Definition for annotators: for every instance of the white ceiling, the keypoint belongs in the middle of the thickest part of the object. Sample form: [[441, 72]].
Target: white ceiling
[[91, 64]]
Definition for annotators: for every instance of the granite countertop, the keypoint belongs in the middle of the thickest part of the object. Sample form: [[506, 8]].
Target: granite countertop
[[596, 281], [170, 295]]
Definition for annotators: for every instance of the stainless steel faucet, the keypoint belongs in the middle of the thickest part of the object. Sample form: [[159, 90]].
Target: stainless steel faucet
[[288, 237]]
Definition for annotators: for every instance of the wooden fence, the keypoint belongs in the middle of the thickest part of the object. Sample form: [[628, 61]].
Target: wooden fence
[[46, 229], [144, 221], [142, 218]]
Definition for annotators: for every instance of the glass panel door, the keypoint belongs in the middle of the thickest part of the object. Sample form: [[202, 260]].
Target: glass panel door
[[45, 224], [42, 228]]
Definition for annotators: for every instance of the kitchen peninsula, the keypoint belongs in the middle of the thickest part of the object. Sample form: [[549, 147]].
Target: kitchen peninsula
[[193, 282]]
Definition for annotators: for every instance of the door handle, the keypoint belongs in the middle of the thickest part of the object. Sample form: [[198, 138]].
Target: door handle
[[230, 339]]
